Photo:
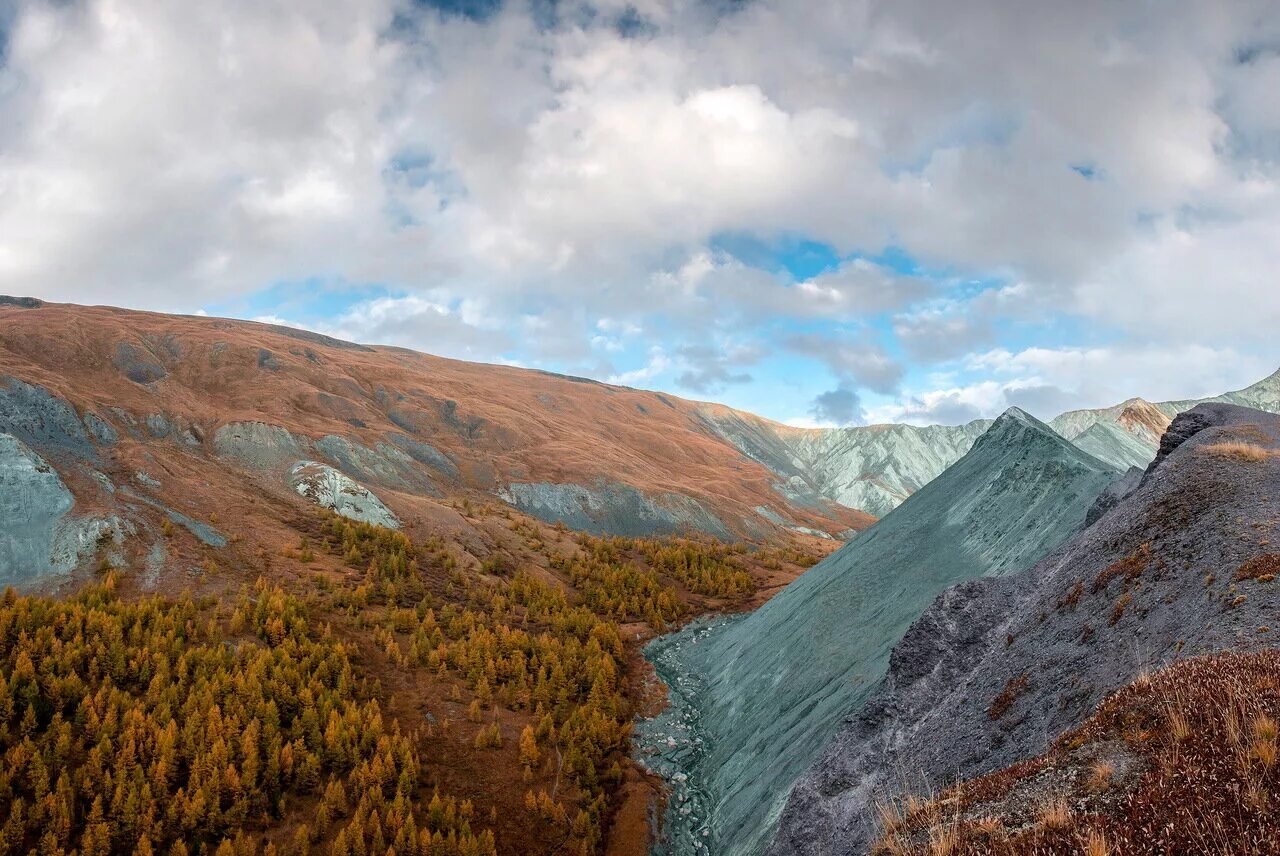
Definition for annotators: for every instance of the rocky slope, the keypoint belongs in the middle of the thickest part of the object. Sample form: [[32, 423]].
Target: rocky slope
[[872, 467], [996, 668], [113, 419], [755, 698], [1180, 761]]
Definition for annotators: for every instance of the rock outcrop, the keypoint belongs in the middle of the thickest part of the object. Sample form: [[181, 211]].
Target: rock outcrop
[[38, 534], [755, 698], [258, 445], [616, 509], [997, 668], [328, 488]]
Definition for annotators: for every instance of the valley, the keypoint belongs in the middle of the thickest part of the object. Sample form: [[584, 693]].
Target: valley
[[392, 602]]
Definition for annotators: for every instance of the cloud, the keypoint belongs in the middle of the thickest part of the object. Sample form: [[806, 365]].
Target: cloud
[[839, 406], [708, 369], [413, 322], [933, 334], [1110, 374], [945, 406], [657, 363], [553, 165], [1049, 381], [858, 363]]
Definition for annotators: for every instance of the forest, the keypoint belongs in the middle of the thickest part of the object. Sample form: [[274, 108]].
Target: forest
[[259, 724]]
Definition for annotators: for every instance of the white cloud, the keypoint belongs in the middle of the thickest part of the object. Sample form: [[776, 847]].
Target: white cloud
[[558, 190], [657, 363]]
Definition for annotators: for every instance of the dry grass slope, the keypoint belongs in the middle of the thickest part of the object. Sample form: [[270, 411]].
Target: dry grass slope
[[1182, 761]]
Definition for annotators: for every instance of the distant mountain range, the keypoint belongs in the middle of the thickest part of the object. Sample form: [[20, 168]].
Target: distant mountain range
[[106, 404], [875, 467]]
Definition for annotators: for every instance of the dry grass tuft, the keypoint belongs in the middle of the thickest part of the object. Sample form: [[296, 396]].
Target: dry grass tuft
[[890, 815], [889, 846], [1056, 815], [1130, 567], [1263, 746], [1117, 611], [1240, 451], [1101, 775], [1179, 728], [944, 840], [1096, 844], [988, 826]]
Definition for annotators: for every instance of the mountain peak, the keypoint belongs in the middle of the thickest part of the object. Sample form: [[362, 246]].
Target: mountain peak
[[1018, 414], [1016, 420], [1017, 432]]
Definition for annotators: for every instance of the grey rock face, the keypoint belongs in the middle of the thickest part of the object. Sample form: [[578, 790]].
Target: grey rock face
[[161, 425], [38, 535], [101, 430], [137, 365], [388, 465], [41, 420], [1150, 581], [755, 698], [614, 509], [1114, 494], [330, 489], [267, 360], [425, 453], [1109, 442], [258, 445], [33, 501], [873, 467], [207, 534]]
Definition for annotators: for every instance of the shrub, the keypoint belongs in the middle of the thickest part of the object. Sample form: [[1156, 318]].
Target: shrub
[[1013, 688]]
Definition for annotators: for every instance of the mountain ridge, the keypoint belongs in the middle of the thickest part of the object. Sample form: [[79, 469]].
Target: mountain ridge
[[754, 698], [101, 394], [995, 668]]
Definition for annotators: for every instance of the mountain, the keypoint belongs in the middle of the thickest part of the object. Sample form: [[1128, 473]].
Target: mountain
[[754, 698], [872, 468], [1128, 433], [113, 415], [875, 467], [996, 669]]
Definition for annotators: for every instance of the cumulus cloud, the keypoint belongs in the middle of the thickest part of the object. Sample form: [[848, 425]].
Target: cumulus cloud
[[839, 406], [708, 369], [934, 334], [522, 172], [424, 325], [1050, 381], [860, 363]]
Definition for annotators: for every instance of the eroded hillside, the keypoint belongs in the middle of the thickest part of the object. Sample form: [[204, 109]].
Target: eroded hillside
[[996, 669]]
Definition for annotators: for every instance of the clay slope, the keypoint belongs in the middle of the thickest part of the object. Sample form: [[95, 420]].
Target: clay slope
[[997, 668], [182, 411], [756, 697]]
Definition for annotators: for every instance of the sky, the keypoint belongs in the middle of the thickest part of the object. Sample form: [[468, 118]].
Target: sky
[[824, 212]]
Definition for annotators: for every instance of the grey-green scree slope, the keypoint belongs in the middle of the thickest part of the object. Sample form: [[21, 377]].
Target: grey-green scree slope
[[755, 698]]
